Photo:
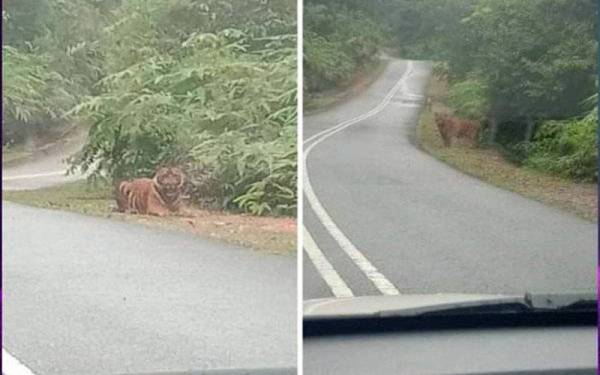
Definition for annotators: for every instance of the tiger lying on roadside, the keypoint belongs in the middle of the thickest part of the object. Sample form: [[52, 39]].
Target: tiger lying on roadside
[[159, 196]]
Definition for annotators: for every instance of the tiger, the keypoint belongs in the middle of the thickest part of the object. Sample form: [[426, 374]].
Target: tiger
[[159, 196], [450, 127]]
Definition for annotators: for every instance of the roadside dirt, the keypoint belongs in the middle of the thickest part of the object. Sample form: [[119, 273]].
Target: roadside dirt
[[270, 234]]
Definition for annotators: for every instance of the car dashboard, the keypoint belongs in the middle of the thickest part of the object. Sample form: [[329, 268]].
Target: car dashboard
[[529, 350]]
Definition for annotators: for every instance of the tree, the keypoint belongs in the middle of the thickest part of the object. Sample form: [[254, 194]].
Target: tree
[[537, 57]]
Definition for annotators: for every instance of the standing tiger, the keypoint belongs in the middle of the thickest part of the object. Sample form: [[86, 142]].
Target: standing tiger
[[159, 196], [451, 127]]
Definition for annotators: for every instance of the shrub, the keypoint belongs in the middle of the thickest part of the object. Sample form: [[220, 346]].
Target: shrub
[[567, 148], [469, 98], [441, 69], [32, 93], [325, 63], [222, 105], [257, 177], [338, 41]]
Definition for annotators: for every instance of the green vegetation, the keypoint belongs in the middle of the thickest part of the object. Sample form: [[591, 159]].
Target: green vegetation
[[46, 63], [340, 40], [468, 98], [207, 85], [363, 78], [568, 148], [75, 196]]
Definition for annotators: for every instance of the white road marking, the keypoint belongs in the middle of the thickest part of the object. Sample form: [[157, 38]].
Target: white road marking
[[333, 280], [12, 366], [380, 281], [371, 272], [366, 115], [36, 175]]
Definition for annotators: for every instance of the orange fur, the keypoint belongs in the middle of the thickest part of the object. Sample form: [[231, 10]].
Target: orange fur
[[450, 128], [158, 196]]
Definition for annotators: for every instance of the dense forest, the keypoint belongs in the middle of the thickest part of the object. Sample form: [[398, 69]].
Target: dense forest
[[207, 85], [338, 41], [525, 69]]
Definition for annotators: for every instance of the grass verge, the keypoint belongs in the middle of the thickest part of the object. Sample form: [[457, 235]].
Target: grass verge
[[489, 165], [330, 98], [269, 234]]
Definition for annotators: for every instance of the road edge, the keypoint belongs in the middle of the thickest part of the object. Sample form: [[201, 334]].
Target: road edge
[[343, 95]]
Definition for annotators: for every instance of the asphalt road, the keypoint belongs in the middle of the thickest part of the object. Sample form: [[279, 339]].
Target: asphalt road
[[86, 295], [389, 218]]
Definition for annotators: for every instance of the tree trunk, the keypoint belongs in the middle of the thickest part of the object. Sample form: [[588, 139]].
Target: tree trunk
[[493, 130], [529, 129]]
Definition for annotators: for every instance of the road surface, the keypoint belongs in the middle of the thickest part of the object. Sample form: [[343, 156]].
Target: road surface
[[87, 295], [384, 217], [46, 168]]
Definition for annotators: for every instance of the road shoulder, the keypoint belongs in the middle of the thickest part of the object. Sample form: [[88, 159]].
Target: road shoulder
[[276, 235]]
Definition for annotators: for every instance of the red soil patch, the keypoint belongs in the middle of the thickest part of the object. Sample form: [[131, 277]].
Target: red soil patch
[[271, 234]]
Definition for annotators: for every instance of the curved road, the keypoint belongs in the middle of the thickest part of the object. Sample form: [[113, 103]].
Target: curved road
[[384, 217], [86, 295], [46, 168]]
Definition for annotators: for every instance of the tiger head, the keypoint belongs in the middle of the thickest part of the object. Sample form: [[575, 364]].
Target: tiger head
[[169, 181], [440, 117]]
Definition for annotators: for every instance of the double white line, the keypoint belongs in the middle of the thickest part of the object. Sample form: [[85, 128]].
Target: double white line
[[328, 273]]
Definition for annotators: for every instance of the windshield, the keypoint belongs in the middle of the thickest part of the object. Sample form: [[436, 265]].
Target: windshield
[[449, 147]]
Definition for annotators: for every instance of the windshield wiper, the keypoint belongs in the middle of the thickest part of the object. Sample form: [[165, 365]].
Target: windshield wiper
[[408, 312], [562, 301], [530, 303]]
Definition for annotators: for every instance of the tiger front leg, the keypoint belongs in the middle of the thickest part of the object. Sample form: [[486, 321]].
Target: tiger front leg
[[158, 210], [121, 204], [446, 139], [181, 209], [184, 212]]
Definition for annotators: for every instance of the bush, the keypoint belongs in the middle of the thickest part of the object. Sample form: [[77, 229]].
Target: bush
[[469, 98], [222, 105], [258, 177], [338, 41], [32, 93], [441, 69], [50, 60], [325, 63], [567, 148]]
